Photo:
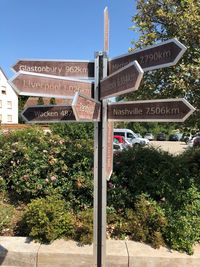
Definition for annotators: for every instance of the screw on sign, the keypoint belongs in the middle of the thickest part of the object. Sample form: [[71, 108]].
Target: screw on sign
[[75, 68], [48, 114], [34, 84], [157, 56], [163, 110]]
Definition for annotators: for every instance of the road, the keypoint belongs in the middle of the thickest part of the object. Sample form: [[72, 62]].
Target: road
[[173, 147]]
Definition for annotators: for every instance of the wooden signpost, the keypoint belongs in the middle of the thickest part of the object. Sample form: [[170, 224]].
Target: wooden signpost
[[120, 75], [64, 68], [48, 114], [157, 56], [106, 30], [109, 146], [160, 110], [34, 84], [125, 80], [86, 109]]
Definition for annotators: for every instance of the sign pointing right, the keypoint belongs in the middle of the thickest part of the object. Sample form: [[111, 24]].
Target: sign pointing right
[[125, 80], [163, 110], [153, 57]]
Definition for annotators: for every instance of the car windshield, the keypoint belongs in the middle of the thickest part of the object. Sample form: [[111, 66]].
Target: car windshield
[[130, 135]]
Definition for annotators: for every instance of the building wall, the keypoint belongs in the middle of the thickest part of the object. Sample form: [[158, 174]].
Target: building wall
[[8, 102]]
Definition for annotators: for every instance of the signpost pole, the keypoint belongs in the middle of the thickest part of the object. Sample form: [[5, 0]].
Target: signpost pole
[[100, 181], [100, 155]]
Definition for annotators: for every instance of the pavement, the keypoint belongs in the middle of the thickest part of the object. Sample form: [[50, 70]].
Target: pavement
[[173, 147], [22, 252]]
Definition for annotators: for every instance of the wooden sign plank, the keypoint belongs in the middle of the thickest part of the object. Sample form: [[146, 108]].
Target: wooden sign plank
[[86, 109], [109, 150], [34, 84], [69, 68], [123, 81], [157, 56], [163, 110], [48, 114]]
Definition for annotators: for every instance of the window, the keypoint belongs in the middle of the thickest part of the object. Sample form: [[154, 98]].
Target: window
[[129, 135], [3, 90], [119, 133], [9, 118], [0, 103], [9, 104]]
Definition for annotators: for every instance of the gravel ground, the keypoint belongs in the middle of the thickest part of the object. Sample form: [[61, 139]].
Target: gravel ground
[[170, 146]]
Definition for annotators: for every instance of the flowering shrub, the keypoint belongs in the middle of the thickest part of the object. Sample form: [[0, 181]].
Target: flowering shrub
[[32, 163], [152, 195]]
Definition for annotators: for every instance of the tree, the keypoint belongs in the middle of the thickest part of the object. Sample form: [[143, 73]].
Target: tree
[[40, 101], [52, 101], [160, 20]]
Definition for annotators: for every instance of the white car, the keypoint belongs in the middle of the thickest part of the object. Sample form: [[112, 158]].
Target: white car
[[139, 140], [149, 136], [131, 137], [195, 141]]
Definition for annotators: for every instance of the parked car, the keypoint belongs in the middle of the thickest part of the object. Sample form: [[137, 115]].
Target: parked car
[[194, 142], [120, 139], [131, 137], [138, 135], [118, 147], [161, 137], [149, 136], [173, 137], [186, 138]]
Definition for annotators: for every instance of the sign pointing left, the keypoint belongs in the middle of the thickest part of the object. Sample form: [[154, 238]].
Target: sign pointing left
[[48, 114], [75, 68], [34, 84]]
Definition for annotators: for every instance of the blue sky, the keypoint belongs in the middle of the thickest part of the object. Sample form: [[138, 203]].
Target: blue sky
[[62, 29]]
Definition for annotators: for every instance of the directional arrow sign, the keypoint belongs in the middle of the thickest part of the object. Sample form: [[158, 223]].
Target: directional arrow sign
[[163, 110], [153, 57], [48, 114], [75, 68], [125, 80], [86, 109], [34, 84]]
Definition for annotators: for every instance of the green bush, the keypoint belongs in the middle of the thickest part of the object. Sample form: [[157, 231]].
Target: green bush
[[74, 131], [137, 171], [183, 230], [6, 216], [191, 164], [146, 222], [2, 187], [152, 196], [84, 231], [47, 219], [32, 163]]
